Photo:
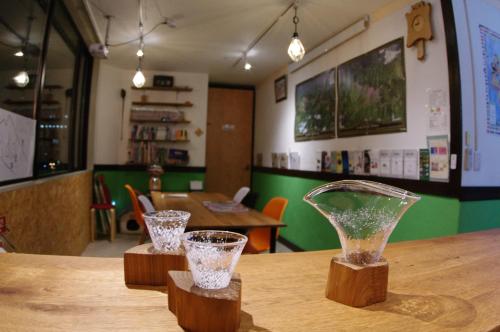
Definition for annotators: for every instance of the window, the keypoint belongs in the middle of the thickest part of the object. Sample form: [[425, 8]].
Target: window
[[55, 89]]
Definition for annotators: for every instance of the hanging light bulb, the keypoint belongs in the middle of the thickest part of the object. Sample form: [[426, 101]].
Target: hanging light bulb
[[19, 53], [247, 66], [139, 80], [22, 79], [140, 53], [296, 50]]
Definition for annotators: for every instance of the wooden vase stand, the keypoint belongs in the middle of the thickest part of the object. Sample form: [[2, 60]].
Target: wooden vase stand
[[357, 286], [144, 267], [199, 309]]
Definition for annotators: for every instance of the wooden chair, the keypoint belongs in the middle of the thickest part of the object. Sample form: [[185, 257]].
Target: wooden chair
[[138, 211], [105, 208], [259, 238]]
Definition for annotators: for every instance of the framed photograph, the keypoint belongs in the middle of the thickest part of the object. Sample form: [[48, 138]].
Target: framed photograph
[[372, 92], [315, 107], [280, 88], [163, 81]]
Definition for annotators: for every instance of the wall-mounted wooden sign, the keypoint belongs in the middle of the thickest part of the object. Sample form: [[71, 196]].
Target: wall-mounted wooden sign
[[419, 27]]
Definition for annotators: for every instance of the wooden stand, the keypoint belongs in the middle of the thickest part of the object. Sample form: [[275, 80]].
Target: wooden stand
[[357, 286], [199, 309], [144, 267]]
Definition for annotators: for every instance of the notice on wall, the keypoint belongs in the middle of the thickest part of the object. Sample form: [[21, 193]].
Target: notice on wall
[[438, 157], [17, 146], [437, 111]]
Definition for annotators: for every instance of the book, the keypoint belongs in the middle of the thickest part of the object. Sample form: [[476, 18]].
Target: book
[[294, 160], [424, 164], [333, 162], [283, 160], [345, 162], [275, 160], [410, 161], [385, 162], [397, 163]]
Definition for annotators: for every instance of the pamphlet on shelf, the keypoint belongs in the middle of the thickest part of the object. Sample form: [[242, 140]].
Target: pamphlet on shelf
[[385, 162], [283, 160], [397, 163], [374, 162], [411, 167], [424, 164], [294, 160]]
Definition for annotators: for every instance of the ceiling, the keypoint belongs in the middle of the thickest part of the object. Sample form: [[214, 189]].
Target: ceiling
[[210, 36]]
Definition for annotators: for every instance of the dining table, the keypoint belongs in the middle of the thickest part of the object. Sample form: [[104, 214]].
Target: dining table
[[204, 218], [442, 284]]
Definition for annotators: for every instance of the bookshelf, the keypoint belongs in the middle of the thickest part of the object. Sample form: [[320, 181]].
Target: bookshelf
[[155, 125]]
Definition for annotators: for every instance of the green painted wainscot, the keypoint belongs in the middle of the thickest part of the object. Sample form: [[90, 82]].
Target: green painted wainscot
[[171, 181], [432, 216]]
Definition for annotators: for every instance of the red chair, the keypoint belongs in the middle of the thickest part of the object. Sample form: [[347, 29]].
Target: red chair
[[106, 210], [259, 238], [138, 211]]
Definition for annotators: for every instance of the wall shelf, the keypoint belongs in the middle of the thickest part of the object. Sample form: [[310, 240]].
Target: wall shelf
[[173, 104], [160, 121], [165, 88], [159, 140], [46, 87]]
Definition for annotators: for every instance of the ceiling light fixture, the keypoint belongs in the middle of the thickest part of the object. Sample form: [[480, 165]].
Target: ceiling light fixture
[[247, 65], [19, 53], [139, 80], [22, 79], [296, 50]]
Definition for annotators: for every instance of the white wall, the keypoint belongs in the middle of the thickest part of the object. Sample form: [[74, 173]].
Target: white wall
[[274, 122], [108, 148], [469, 14]]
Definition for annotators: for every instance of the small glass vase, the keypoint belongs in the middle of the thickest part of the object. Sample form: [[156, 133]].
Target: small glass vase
[[212, 256], [364, 214]]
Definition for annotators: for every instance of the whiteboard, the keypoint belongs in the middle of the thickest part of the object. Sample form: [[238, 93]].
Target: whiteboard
[[471, 17], [17, 146]]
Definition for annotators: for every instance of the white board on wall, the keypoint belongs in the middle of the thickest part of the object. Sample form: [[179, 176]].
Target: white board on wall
[[473, 18], [17, 146]]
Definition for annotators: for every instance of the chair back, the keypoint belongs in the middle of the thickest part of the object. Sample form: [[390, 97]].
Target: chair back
[[259, 238], [146, 204], [240, 194], [138, 210], [105, 195]]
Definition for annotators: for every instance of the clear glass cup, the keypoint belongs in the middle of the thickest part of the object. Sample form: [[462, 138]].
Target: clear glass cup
[[165, 228], [364, 214], [212, 256]]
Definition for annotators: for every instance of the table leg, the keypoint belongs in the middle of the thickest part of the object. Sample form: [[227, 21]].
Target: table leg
[[272, 240]]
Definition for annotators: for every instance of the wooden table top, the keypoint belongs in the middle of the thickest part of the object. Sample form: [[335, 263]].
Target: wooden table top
[[443, 284], [203, 218]]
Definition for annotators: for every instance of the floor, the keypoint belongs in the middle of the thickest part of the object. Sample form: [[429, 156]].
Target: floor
[[104, 248]]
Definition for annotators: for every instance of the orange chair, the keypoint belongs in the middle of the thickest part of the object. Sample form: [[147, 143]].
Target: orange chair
[[259, 238], [138, 211]]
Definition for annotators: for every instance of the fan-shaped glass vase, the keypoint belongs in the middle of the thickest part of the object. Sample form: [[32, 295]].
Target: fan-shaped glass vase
[[364, 214]]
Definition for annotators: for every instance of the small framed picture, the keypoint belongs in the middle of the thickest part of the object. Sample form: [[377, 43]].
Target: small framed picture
[[280, 88]]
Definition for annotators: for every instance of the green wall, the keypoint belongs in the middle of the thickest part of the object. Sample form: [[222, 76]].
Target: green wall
[[432, 216], [479, 215], [171, 181]]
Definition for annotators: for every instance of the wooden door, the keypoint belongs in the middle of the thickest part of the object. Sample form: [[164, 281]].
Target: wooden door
[[229, 139]]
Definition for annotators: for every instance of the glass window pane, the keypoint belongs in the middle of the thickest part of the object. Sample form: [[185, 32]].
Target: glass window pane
[[22, 27], [56, 116]]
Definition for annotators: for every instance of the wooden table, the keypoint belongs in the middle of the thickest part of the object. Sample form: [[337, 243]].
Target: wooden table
[[203, 218], [445, 284]]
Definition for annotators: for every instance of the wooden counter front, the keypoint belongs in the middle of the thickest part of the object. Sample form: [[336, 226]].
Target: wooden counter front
[[443, 284]]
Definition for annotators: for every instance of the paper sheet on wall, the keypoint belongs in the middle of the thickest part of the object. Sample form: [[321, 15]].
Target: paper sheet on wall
[[17, 146], [437, 111]]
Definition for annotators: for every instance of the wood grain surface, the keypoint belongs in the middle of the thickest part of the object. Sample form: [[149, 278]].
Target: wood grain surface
[[444, 284], [203, 218]]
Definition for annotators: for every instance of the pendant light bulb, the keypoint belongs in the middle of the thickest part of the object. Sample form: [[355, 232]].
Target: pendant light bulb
[[247, 66], [296, 50], [140, 53], [19, 53], [139, 80], [22, 79]]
